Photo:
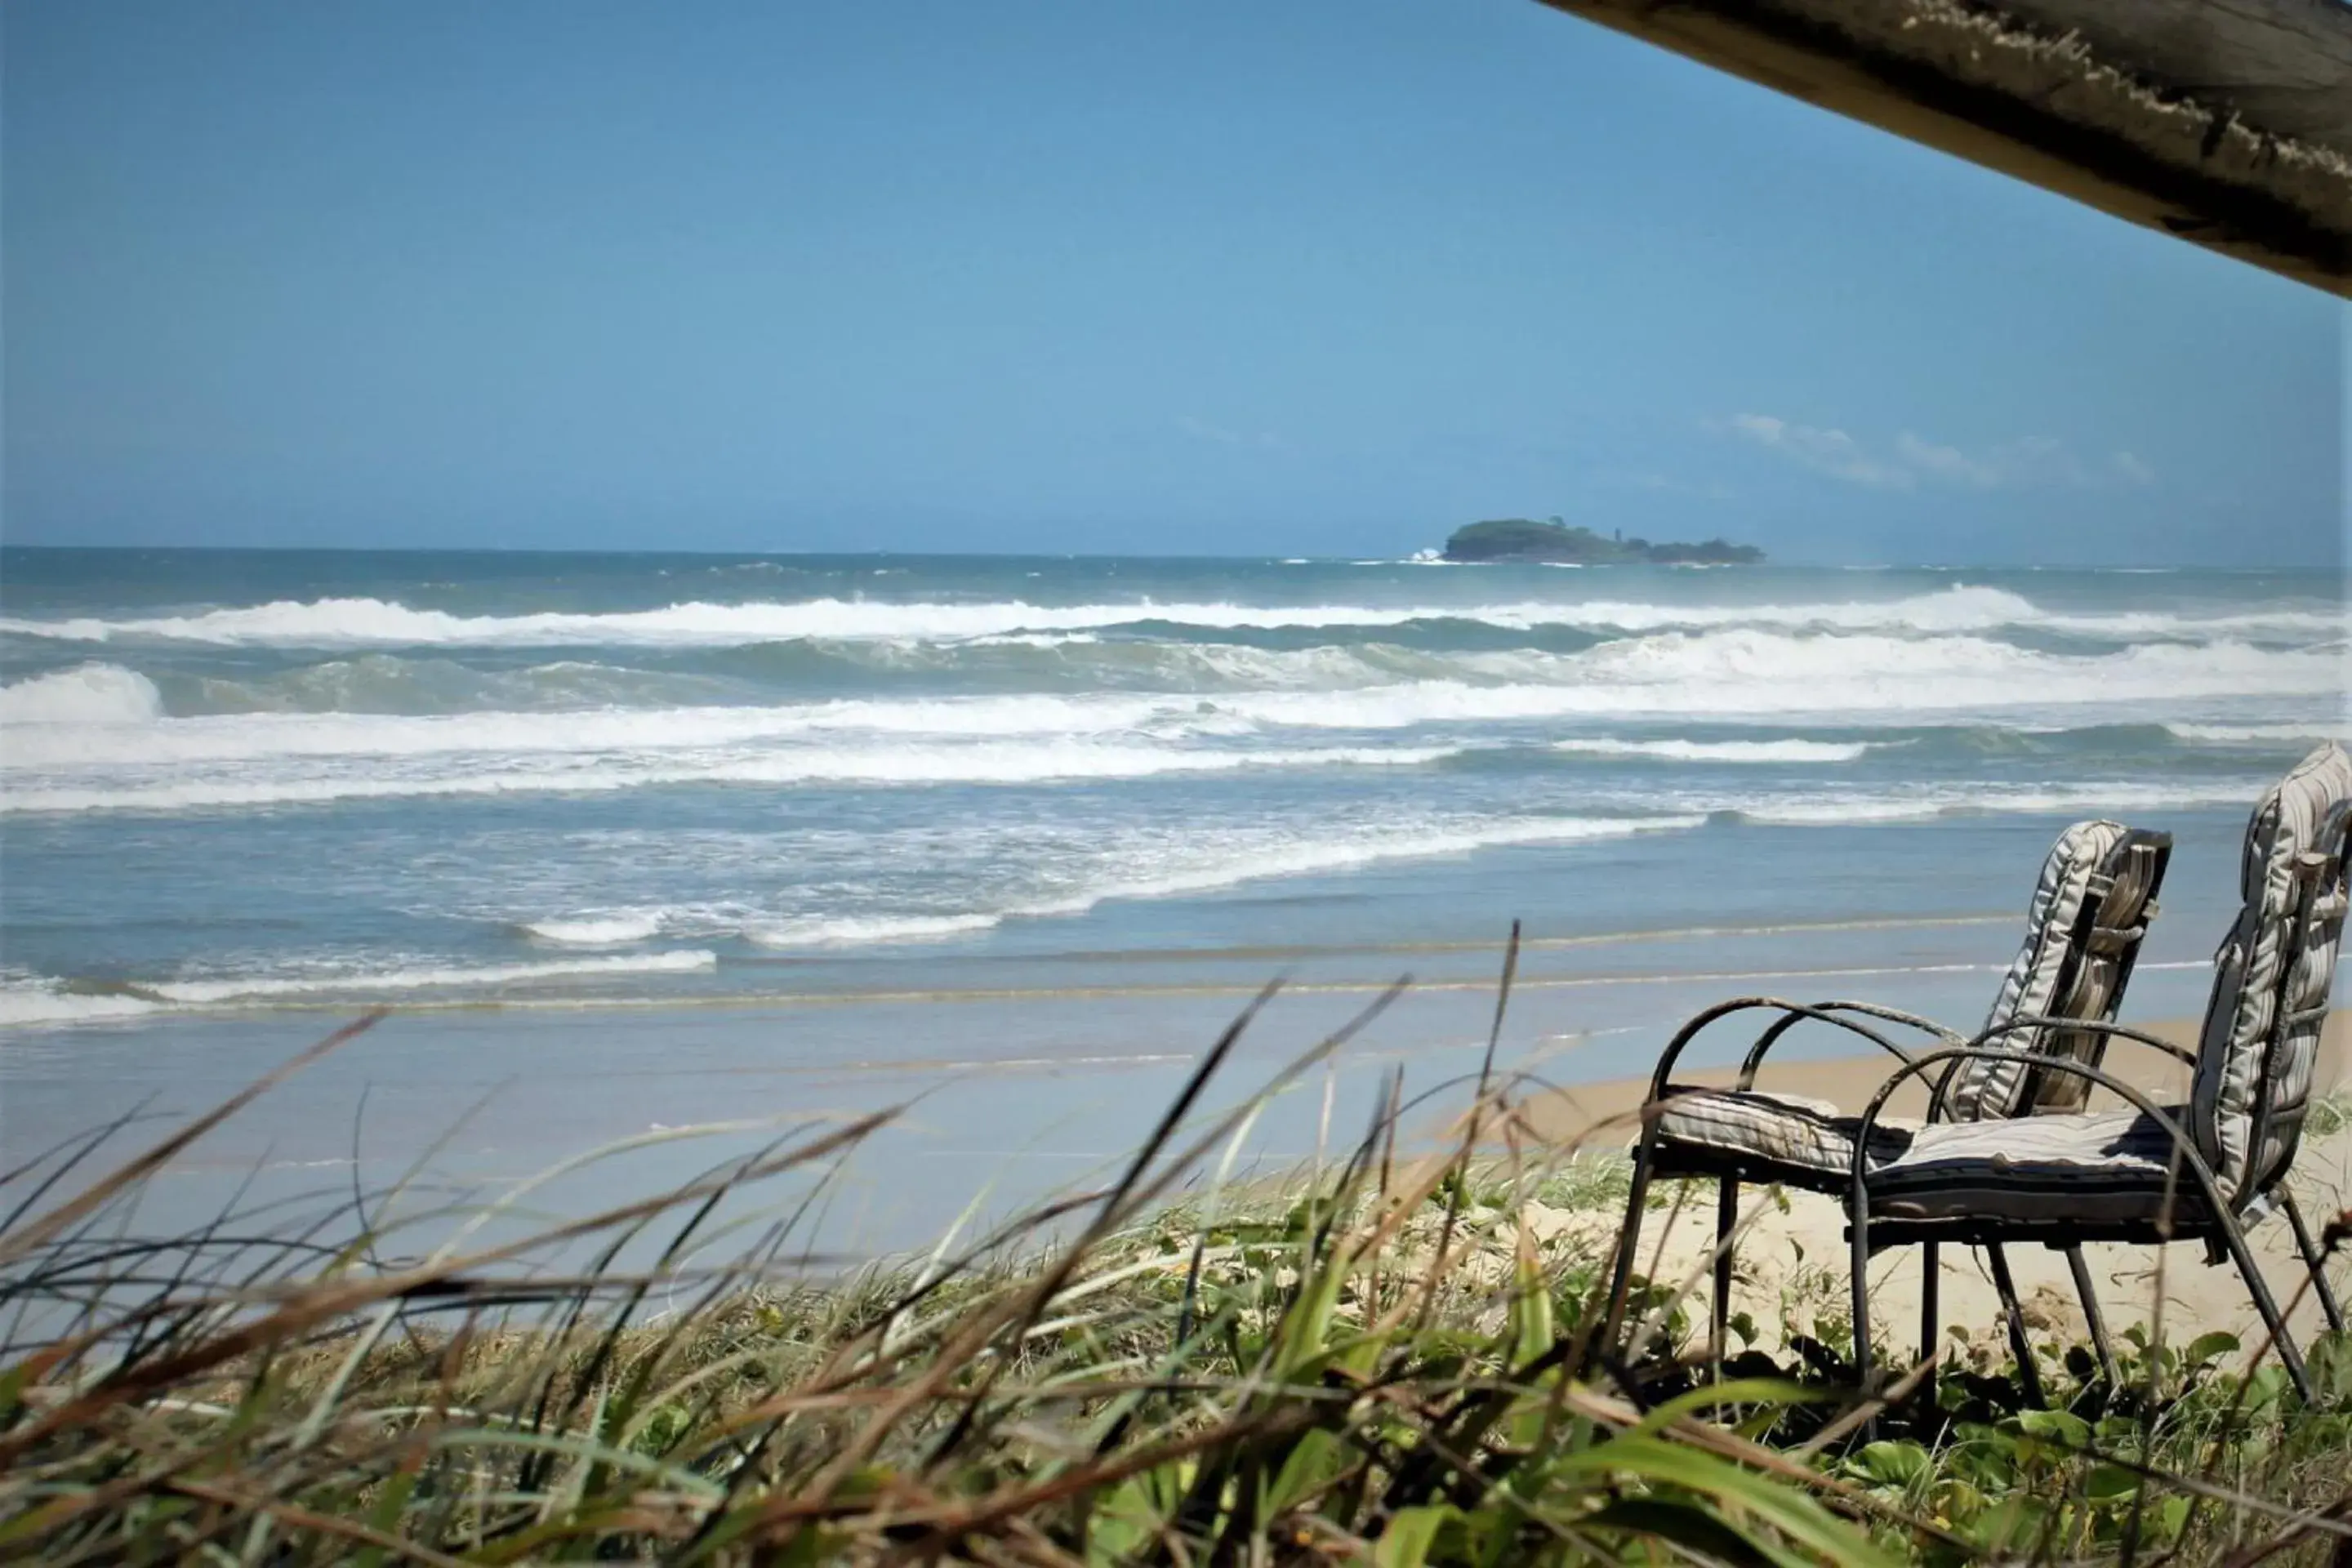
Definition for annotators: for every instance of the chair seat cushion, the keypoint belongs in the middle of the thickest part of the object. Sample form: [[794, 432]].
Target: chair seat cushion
[[1762, 1136], [2105, 1168]]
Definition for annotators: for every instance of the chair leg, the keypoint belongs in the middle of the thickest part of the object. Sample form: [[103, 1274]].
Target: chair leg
[[1931, 1277], [1726, 1220], [2027, 1373], [2259, 1289], [1628, 1238], [1861, 1287], [2314, 1260], [2081, 1269]]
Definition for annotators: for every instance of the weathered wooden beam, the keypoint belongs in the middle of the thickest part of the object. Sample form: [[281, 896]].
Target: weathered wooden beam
[[2225, 123]]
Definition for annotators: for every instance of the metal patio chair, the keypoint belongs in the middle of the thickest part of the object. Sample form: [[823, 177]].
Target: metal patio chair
[[2088, 915], [2207, 1170]]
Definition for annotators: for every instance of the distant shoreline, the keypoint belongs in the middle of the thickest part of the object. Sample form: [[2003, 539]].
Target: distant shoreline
[[1556, 543]]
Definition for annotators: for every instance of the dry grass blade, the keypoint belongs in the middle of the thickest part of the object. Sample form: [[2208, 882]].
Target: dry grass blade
[[1378, 1362]]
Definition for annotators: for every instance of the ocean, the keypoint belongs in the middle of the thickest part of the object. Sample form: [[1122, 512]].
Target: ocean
[[640, 818]]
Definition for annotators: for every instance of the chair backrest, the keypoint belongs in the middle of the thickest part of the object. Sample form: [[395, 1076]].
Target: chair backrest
[[2271, 978], [2084, 923]]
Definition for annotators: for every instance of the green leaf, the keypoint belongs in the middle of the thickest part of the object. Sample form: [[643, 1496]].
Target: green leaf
[[1738, 1391], [1795, 1514], [2205, 1347], [1132, 1512], [1682, 1525], [2062, 1427], [2015, 1524], [1305, 1332], [1530, 1311], [1119, 1525], [1314, 1461], [2108, 1482], [1890, 1464], [1411, 1533]]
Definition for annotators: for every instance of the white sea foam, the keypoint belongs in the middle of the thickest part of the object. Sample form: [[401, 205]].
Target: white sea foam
[[597, 930], [262, 759], [850, 932], [234, 737], [1741, 673], [360, 982], [38, 1001], [1927, 804], [1722, 751], [1353, 851], [1727, 674], [354, 622], [2240, 733], [1181, 864], [975, 762], [1188, 867], [85, 694]]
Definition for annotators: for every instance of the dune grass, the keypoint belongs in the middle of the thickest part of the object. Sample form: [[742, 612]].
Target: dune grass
[[1380, 1361]]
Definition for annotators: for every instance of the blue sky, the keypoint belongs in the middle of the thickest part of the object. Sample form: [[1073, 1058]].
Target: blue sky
[[1304, 279]]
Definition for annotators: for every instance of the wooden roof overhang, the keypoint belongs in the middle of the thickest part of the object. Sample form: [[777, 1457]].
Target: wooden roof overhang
[[2225, 122]]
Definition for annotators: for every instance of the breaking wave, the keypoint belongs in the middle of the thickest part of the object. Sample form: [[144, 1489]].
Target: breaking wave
[[363, 622], [596, 931], [881, 929], [85, 694], [2257, 734], [362, 983], [1927, 804], [1199, 864], [37, 1001], [979, 763], [1721, 751], [1726, 674], [41, 1000]]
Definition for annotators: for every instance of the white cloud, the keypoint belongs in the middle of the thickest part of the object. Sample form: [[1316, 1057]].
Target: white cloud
[[1948, 464], [2032, 462], [1201, 430], [1830, 452]]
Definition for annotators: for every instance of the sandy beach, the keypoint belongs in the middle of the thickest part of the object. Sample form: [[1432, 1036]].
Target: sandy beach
[[1794, 1258]]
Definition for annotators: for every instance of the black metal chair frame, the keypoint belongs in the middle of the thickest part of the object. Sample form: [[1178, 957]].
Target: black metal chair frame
[[1730, 1170], [2215, 1220]]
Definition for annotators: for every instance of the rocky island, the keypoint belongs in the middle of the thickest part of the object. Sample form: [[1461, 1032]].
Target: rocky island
[[1524, 538]]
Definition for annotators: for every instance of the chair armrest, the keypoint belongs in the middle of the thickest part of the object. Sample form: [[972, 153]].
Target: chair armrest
[[1791, 1013], [2084, 1025], [1771, 1036]]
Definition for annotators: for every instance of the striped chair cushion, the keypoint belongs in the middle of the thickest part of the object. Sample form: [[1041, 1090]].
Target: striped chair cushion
[[2250, 990], [1984, 1087], [1807, 1143], [1768, 1137], [2103, 1168]]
